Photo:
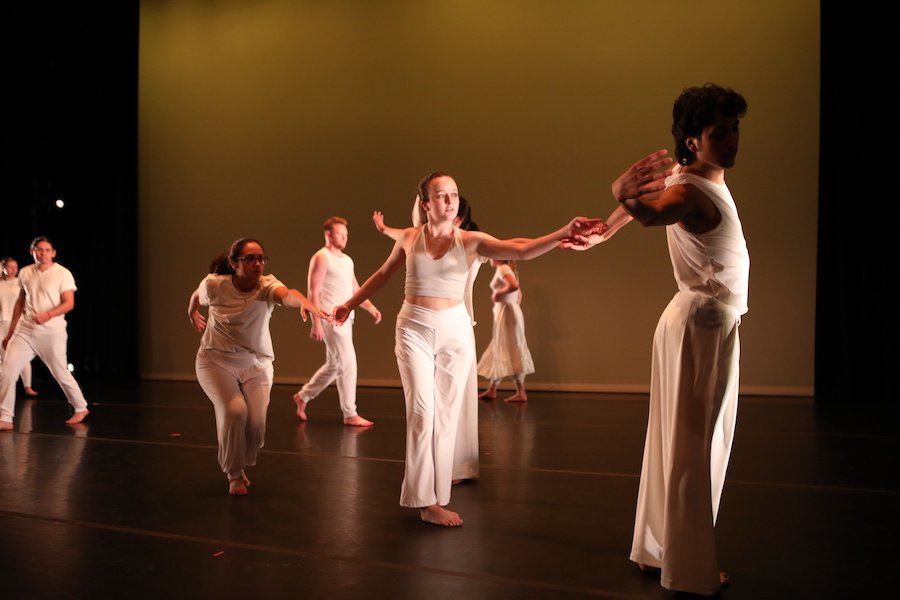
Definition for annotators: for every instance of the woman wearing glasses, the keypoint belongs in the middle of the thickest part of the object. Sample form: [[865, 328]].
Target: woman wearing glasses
[[234, 363]]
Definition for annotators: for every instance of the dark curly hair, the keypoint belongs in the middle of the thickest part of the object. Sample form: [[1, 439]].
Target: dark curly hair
[[696, 109]]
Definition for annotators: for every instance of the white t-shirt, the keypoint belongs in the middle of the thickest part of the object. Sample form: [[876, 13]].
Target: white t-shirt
[[9, 295], [238, 322], [43, 293]]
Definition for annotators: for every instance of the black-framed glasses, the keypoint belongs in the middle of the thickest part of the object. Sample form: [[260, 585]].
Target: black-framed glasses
[[253, 258]]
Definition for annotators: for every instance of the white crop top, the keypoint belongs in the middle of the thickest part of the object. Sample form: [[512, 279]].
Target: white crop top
[[442, 278]]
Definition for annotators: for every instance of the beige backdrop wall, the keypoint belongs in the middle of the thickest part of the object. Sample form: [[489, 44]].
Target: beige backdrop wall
[[263, 117]]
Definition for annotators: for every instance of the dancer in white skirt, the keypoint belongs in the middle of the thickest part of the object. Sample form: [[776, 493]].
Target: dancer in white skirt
[[434, 342], [508, 354], [694, 384], [9, 295], [234, 363]]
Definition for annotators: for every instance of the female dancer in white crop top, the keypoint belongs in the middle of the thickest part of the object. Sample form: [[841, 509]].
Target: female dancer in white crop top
[[434, 342]]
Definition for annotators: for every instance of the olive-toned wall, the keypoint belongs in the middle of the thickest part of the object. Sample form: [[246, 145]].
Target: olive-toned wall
[[262, 118]]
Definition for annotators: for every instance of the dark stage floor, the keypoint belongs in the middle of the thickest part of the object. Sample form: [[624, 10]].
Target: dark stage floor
[[131, 504]]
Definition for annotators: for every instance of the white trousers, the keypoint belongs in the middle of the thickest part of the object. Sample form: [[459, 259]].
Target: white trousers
[[339, 368], [693, 409], [465, 455], [239, 387], [26, 372], [435, 351], [49, 344]]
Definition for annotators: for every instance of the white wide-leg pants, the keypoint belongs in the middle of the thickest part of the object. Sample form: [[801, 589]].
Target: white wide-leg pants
[[239, 387], [693, 409], [435, 350]]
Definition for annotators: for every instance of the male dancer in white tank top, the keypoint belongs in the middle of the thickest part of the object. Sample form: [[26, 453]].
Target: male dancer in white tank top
[[694, 385], [331, 282]]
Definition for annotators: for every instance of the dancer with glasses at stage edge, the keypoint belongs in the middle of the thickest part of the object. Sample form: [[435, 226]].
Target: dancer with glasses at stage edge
[[234, 362], [435, 346]]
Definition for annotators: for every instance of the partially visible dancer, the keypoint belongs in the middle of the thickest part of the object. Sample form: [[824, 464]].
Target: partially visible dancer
[[508, 354], [331, 281], [9, 295], [435, 346], [38, 328], [694, 385], [465, 455], [234, 363]]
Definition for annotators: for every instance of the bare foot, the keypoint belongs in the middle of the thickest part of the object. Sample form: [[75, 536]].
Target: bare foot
[[648, 568], [518, 397], [30, 391], [6, 426], [487, 395], [724, 579], [301, 405], [238, 486], [438, 515], [358, 421], [78, 417]]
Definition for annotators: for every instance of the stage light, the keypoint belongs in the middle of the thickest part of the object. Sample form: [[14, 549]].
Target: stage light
[[60, 203]]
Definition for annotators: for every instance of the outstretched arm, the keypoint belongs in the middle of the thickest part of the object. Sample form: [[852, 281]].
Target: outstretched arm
[[524, 248], [391, 232], [294, 299], [378, 279], [616, 221]]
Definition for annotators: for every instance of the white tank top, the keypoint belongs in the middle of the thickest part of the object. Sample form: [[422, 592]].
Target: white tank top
[[715, 263], [337, 286], [442, 278]]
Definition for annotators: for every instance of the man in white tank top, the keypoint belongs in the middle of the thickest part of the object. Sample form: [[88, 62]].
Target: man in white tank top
[[331, 282], [694, 385]]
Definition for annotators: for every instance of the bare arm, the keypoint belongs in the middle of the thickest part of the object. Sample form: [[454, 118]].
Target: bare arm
[[391, 232], [524, 248], [375, 282], [294, 299], [367, 304], [509, 285], [198, 321], [640, 192], [318, 267]]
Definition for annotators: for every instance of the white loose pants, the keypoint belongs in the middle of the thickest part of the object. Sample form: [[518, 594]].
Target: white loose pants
[[49, 344], [339, 368], [693, 409], [435, 351], [239, 387]]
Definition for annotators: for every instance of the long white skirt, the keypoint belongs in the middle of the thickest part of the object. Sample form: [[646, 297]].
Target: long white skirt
[[508, 354]]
